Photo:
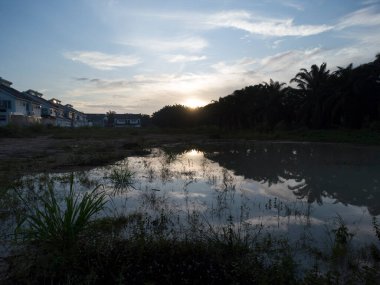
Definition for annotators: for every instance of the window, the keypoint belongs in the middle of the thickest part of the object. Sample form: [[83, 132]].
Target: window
[[4, 105]]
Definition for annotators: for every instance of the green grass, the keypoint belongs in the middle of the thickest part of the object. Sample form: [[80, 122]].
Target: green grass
[[64, 244], [138, 249], [60, 224], [122, 177]]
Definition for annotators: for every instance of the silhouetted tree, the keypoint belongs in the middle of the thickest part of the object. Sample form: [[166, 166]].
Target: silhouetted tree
[[110, 115], [177, 116], [349, 97], [313, 86]]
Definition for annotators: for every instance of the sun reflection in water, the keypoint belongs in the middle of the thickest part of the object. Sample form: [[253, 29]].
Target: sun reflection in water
[[194, 153]]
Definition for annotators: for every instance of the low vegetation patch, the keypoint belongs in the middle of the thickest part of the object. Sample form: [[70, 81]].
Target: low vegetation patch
[[62, 240]]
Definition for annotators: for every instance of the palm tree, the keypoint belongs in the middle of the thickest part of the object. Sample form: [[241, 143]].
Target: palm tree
[[342, 105], [312, 85], [313, 79], [274, 86], [274, 91]]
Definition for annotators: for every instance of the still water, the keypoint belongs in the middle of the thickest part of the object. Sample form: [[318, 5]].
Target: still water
[[288, 189]]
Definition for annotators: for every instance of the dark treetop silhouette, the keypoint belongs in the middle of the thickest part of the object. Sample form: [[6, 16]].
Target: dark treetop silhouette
[[348, 98]]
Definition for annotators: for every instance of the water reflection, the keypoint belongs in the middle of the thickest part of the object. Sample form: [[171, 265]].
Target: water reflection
[[294, 188], [348, 174]]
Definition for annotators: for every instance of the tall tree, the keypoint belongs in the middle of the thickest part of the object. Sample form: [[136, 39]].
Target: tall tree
[[110, 115], [312, 85], [274, 92]]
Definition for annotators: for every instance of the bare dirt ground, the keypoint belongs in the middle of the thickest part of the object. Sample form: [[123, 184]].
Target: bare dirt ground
[[21, 156], [24, 147], [11, 148]]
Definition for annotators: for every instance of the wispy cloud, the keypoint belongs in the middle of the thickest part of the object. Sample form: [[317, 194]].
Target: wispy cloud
[[189, 44], [285, 64], [240, 66], [276, 44], [183, 58], [247, 21], [102, 61], [365, 17], [293, 5], [244, 20], [104, 107], [370, 2]]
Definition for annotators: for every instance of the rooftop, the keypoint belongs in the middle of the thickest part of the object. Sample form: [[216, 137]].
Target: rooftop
[[17, 94]]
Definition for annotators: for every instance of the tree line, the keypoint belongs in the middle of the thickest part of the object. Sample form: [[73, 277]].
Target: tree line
[[317, 99]]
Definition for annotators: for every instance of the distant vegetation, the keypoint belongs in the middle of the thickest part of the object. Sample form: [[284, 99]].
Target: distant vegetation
[[347, 98]]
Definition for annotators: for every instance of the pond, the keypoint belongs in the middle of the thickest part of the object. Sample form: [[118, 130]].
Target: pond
[[288, 189]]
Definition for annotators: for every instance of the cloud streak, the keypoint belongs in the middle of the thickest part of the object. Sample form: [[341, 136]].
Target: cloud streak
[[177, 58], [245, 21], [366, 17], [189, 44], [293, 5], [103, 61]]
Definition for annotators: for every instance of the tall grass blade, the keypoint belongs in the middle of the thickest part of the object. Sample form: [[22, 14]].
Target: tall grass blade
[[61, 224]]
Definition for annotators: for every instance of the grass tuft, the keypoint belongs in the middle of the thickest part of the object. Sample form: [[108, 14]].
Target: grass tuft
[[61, 224], [122, 177]]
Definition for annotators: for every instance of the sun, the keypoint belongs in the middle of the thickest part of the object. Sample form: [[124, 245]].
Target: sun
[[194, 103]]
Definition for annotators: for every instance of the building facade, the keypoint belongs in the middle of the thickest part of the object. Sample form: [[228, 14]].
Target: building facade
[[29, 107], [16, 107]]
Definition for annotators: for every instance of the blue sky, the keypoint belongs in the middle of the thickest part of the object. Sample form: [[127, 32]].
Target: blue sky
[[138, 56]]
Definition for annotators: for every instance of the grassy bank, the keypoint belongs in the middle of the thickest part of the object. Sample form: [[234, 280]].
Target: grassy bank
[[363, 136]]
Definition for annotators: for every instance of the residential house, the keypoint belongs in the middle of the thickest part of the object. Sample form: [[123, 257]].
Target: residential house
[[28, 107], [16, 107], [78, 119], [48, 110], [127, 120], [82, 119], [55, 114], [96, 120], [60, 118], [114, 120]]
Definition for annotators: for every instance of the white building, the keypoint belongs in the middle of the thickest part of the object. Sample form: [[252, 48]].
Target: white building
[[16, 107]]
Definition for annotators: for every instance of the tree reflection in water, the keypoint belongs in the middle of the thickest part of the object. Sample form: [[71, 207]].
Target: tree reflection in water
[[349, 174]]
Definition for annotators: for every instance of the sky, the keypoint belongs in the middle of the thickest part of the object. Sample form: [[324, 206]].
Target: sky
[[136, 56]]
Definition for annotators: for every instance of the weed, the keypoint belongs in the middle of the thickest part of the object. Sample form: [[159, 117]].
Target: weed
[[122, 177], [60, 225]]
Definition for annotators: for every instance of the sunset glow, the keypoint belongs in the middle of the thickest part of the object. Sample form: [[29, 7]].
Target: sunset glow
[[138, 56], [194, 103]]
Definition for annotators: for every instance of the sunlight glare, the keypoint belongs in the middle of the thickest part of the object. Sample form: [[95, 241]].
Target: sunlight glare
[[193, 153], [194, 103]]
